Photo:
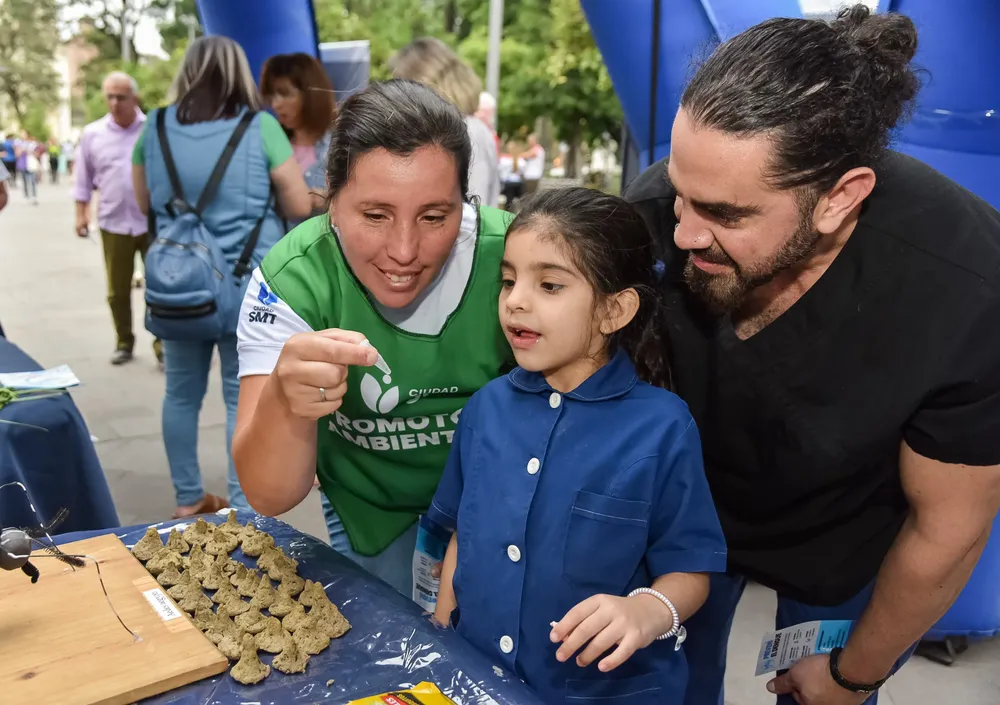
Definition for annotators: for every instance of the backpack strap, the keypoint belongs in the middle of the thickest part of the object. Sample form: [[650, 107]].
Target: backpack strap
[[220, 167], [243, 263], [178, 201]]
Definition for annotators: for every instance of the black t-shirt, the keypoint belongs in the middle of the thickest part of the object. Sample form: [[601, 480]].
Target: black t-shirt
[[802, 423]]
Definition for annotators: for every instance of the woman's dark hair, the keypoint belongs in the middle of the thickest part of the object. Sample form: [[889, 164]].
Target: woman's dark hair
[[319, 109], [828, 93], [399, 116], [612, 248], [213, 82]]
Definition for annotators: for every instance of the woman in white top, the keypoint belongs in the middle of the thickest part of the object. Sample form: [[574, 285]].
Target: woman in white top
[[429, 60], [533, 161]]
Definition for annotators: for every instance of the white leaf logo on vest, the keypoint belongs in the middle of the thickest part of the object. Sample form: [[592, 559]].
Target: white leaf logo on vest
[[394, 433], [371, 390]]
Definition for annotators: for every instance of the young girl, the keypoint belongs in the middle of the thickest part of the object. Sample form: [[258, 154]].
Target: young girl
[[583, 522]]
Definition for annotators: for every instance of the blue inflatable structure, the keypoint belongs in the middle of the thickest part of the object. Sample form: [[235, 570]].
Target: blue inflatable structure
[[262, 27], [956, 125], [650, 48], [956, 129]]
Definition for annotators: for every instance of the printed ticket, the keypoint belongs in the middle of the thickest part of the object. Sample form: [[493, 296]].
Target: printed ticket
[[779, 650], [430, 550]]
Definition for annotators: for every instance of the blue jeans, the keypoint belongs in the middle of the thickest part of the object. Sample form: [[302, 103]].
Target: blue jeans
[[28, 178], [394, 565], [186, 366], [708, 635]]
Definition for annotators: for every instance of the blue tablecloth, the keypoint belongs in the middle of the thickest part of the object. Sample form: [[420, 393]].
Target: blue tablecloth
[[392, 643], [58, 466]]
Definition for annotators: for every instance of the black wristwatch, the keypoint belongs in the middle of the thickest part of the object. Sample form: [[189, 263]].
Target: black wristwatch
[[846, 684]]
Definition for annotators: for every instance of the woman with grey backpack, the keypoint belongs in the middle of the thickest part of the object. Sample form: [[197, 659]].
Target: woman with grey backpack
[[213, 173]]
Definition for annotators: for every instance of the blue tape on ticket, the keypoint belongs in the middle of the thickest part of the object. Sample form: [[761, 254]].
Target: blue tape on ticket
[[779, 650]]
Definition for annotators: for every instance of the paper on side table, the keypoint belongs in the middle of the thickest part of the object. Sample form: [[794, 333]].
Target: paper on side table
[[60, 377]]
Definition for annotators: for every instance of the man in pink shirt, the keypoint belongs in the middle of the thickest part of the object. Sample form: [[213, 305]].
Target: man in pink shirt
[[104, 164]]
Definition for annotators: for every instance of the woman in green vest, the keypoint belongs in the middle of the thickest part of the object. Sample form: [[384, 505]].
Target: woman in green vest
[[365, 330]]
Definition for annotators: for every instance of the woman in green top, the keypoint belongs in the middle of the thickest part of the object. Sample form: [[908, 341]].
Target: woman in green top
[[366, 329]]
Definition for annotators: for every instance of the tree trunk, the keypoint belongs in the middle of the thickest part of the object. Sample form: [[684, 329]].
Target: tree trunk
[[450, 15], [573, 155], [15, 102]]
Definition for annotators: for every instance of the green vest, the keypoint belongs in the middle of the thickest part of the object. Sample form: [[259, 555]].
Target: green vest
[[380, 456]]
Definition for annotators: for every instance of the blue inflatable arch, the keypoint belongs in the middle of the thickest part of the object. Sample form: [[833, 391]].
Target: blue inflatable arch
[[262, 27]]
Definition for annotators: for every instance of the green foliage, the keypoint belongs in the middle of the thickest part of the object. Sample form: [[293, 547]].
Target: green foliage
[[549, 65], [154, 75], [387, 24], [582, 102], [178, 22], [36, 121], [28, 40]]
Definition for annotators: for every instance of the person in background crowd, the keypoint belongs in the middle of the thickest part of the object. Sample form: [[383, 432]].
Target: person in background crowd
[[210, 95], [42, 155], [53, 152], [4, 178], [297, 88], [429, 60], [533, 161], [8, 156], [833, 313], [105, 165], [510, 176], [487, 112], [27, 166], [69, 154]]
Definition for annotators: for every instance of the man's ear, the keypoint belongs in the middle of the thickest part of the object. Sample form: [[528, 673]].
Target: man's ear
[[836, 205], [620, 310]]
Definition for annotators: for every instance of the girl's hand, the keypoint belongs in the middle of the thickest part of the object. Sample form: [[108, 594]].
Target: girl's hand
[[631, 623], [311, 371]]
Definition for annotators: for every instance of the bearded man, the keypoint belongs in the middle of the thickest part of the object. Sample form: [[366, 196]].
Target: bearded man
[[834, 319]]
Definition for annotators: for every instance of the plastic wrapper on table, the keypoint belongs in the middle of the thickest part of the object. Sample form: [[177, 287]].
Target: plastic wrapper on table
[[392, 643]]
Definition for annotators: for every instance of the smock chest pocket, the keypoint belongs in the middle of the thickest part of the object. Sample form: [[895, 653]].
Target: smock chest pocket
[[605, 541]]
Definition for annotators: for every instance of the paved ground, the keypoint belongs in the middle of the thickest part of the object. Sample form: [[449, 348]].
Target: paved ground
[[52, 303]]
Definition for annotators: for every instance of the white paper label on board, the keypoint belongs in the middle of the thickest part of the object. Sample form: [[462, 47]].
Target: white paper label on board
[[162, 604]]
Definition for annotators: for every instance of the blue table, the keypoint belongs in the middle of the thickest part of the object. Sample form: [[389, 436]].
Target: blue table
[[392, 642], [58, 466]]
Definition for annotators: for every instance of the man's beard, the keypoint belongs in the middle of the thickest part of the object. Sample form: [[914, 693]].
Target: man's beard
[[726, 293]]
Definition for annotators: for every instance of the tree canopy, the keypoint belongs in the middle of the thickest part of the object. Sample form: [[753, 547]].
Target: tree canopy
[[28, 40], [549, 65]]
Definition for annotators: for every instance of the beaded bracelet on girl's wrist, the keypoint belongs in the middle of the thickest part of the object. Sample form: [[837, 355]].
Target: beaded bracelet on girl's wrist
[[677, 629]]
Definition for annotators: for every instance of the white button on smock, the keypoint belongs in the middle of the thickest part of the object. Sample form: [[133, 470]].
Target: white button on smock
[[555, 400], [533, 465], [506, 644], [514, 553]]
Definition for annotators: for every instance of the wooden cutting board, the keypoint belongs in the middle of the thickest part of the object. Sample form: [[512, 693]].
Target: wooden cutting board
[[61, 642]]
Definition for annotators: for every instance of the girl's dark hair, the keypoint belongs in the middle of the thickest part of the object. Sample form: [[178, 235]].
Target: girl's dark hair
[[829, 93], [612, 248], [399, 116], [213, 82], [306, 73]]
